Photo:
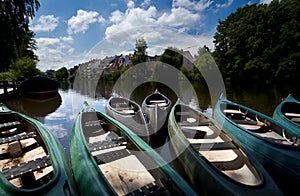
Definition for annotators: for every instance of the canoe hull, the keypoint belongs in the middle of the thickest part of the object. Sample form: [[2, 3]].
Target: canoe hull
[[135, 120], [282, 162], [289, 105], [156, 106]]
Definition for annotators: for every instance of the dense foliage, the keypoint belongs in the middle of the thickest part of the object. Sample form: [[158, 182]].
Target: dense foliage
[[16, 39], [172, 56], [140, 54], [260, 43]]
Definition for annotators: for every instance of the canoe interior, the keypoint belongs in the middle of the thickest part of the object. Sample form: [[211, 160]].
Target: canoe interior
[[216, 146], [292, 111], [130, 114], [24, 160], [259, 125], [157, 99], [123, 106], [125, 167]]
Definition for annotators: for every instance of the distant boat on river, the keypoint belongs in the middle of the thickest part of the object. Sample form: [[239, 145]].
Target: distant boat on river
[[39, 87]]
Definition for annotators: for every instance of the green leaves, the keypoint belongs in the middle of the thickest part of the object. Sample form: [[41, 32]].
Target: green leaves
[[260, 43]]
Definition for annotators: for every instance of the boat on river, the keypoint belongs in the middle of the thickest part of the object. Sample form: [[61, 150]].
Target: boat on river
[[39, 87], [288, 114], [129, 113], [156, 106], [214, 163], [32, 160], [272, 143], [109, 159]]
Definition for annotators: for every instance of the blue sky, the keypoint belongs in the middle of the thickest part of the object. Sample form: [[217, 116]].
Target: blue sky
[[71, 32]]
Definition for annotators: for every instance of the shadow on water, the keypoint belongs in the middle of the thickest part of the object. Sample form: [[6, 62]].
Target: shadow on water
[[35, 108]]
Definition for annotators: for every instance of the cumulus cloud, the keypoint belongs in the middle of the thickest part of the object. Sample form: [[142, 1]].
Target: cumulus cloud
[[135, 22], [193, 5], [81, 22], [53, 52], [45, 23], [178, 17]]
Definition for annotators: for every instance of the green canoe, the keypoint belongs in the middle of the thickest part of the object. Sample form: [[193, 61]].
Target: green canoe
[[109, 159], [32, 161], [214, 163], [272, 143], [288, 114]]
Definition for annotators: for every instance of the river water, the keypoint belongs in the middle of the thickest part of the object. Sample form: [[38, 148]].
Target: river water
[[59, 113]]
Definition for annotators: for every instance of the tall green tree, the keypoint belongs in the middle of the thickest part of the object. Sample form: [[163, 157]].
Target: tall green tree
[[260, 43], [16, 39], [140, 54], [173, 57]]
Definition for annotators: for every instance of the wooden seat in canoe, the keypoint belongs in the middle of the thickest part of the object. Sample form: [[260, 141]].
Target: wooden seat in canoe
[[27, 167], [292, 115], [214, 146], [96, 146], [17, 137], [9, 124]]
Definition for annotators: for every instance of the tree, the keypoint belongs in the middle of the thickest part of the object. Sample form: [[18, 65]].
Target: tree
[[172, 56], [260, 43], [61, 74], [140, 54], [16, 39]]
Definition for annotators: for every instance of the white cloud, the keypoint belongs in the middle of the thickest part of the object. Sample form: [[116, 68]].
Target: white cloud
[[193, 5], [81, 22], [130, 4], [218, 5], [116, 16], [146, 3], [54, 53], [45, 23], [178, 17], [265, 1]]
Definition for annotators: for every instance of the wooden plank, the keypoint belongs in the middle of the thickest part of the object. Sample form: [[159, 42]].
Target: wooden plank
[[15, 149], [17, 137], [157, 101], [214, 146], [126, 174], [26, 167], [232, 111], [292, 114]]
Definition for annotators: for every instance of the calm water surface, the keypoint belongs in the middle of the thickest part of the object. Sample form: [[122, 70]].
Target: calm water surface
[[59, 113]]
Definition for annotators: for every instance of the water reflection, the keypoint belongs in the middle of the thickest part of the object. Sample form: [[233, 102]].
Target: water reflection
[[58, 113], [36, 108]]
